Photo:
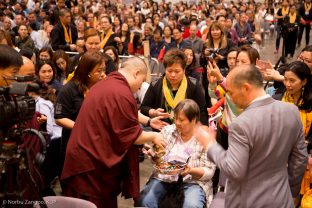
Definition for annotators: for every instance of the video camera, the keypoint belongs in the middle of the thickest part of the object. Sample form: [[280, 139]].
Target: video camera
[[15, 105]]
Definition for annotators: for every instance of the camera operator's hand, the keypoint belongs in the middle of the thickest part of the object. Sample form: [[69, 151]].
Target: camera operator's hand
[[42, 119]]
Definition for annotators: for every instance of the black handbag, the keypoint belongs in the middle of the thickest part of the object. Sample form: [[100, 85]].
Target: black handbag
[[175, 196]]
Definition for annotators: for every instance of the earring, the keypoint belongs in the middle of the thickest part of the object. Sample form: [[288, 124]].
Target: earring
[[89, 75]]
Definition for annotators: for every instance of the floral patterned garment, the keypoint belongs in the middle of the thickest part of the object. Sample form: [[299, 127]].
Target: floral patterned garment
[[198, 158]]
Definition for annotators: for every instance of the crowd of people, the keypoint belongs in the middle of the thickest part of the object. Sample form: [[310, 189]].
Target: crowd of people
[[98, 107]]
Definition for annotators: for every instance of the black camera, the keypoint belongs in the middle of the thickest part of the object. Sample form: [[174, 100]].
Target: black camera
[[213, 53], [15, 105], [285, 26]]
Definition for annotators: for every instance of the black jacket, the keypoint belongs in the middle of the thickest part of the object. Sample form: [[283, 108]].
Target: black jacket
[[154, 97], [58, 39]]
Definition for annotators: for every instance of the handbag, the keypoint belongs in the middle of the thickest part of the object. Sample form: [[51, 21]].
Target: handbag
[[175, 195]]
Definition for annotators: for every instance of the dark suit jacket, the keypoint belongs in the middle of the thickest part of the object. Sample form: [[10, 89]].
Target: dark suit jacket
[[154, 97], [58, 39], [266, 158]]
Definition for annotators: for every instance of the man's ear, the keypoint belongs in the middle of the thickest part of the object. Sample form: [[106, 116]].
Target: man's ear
[[246, 87], [136, 73]]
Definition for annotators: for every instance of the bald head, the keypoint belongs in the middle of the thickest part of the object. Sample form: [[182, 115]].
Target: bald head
[[135, 71], [134, 63], [245, 74], [28, 67], [193, 31]]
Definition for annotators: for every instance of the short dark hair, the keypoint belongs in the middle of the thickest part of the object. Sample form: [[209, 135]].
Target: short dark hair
[[46, 49], [9, 57], [40, 64], [108, 18], [27, 52], [250, 74], [189, 108], [64, 11], [175, 56], [158, 31]]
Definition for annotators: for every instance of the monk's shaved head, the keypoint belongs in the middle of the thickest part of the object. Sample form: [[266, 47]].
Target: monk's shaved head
[[134, 63]]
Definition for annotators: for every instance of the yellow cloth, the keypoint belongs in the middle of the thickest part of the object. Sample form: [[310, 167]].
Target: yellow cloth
[[292, 18], [285, 11], [172, 102], [305, 183], [107, 36], [306, 117], [307, 8], [306, 201], [67, 36]]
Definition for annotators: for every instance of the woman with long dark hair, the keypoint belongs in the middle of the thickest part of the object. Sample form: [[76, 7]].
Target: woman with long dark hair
[[90, 70], [135, 46], [298, 84], [191, 64], [61, 64]]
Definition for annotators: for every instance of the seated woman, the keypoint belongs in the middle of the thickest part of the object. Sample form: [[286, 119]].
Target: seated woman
[[165, 93], [182, 146]]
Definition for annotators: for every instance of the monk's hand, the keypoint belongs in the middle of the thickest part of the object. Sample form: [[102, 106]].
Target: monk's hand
[[157, 123], [159, 140], [205, 136]]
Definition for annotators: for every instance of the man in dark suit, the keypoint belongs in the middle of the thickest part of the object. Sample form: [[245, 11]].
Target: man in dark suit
[[267, 157], [64, 34]]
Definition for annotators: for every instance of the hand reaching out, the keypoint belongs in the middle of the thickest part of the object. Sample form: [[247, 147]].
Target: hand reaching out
[[157, 123], [205, 136]]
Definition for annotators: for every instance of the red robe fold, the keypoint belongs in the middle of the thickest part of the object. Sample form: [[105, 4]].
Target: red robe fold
[[101, 158]]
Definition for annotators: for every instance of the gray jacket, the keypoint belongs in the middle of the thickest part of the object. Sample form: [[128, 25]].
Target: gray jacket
[[266, 158]]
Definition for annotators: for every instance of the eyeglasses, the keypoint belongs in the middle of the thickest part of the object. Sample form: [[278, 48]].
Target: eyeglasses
[[306, 61]]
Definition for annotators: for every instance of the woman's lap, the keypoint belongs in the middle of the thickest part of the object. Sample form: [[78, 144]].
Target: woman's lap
[[155, 190]]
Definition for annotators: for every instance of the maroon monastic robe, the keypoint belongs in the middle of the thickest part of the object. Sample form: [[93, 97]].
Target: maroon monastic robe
[[101, 158]]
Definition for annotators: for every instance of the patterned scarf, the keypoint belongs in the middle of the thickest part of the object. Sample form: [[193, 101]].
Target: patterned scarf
[[171, 100]]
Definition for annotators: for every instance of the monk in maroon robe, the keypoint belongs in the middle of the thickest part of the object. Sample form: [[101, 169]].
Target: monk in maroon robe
[[102, 157]]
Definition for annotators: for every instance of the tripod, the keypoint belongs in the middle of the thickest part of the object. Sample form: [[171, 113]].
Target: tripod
[[18, 187]]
